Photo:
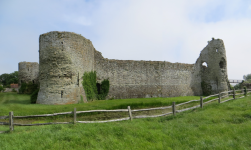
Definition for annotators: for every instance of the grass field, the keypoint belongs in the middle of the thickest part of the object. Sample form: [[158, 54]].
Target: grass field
[[216, 126]]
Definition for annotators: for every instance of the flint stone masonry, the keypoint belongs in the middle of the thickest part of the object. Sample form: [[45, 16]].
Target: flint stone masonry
[[136, 79], [28, 72], [63, 59], [65, 56]]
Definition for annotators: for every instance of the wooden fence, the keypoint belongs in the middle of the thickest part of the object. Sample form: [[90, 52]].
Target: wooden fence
[[221, 95]]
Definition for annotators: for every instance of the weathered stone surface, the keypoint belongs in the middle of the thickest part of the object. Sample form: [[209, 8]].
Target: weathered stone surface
[[63, 59], [65, 56], [28, 72], [135, 79], [215, 73]]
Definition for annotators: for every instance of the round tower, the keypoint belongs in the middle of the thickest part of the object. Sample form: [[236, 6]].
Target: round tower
[[28, 72], [213, 67], [63, 59]]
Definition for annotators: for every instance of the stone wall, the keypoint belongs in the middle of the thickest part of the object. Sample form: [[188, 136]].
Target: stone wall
[[28, 72], [65, 56], [63, 59], [137, 79]]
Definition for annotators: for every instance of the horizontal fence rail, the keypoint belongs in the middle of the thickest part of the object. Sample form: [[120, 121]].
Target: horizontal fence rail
[[220, 96]]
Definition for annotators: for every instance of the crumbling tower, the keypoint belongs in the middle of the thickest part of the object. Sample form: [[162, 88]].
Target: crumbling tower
[[63, 59], [212, 65], [28, 72]]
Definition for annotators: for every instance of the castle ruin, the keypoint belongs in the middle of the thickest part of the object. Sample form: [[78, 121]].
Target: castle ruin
[[65, 56], [28, 72]]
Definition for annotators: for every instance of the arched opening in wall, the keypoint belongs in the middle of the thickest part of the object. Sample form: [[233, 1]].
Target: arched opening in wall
[[222, 63], [98, 88], [62, 94], [216, 50], [33, 81], [28, 69], [204, 64]]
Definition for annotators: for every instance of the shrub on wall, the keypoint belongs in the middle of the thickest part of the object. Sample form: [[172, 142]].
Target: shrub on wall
[[33, 97], [104, 89], [28, 88], [23, 88], [206, 88], [90, 86]]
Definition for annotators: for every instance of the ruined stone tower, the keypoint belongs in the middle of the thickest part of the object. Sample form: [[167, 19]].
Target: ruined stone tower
[[212, 66], [63, 59], [28, 72]]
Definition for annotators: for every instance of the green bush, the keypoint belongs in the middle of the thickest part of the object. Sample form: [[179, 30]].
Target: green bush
[[13, 90], [245, 90], [104, 89], [28, 88], [33, 97], [1, 88], [90, 86], [23, 88]]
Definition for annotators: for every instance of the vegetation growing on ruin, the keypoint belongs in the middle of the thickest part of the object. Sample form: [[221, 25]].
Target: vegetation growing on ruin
[[206, 88], [216, 126], [28, 88], [104, 89], [90, 86]]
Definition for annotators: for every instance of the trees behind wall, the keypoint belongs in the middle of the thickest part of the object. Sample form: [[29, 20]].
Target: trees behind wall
[[7, 79]]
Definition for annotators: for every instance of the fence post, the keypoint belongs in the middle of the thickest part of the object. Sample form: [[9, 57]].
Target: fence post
[[234, 94], [11, 121], [173, 106], [74, 116], [201, 102], [130, 112], [219, 97]]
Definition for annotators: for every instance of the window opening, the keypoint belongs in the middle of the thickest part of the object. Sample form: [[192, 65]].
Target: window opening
[[216, 50], [222, 64], [62, 94], [204, 64]]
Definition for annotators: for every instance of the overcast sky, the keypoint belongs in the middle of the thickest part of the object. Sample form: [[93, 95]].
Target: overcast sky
[[163, 30]]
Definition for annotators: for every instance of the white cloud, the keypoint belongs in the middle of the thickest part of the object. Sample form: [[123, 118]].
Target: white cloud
[[174, 31]]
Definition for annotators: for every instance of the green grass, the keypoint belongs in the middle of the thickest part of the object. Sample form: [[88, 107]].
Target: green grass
[[216, 126], [20, 104]]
